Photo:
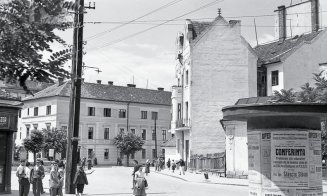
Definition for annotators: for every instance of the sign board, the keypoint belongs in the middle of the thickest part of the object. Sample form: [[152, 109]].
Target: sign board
[[4, 121], [289, 159], [51, 152]]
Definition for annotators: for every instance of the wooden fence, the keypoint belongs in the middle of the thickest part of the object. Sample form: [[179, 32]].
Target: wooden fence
[[209, 162]]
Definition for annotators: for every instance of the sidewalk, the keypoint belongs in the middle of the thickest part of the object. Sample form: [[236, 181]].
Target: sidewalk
[[199, 178], [213, 179]]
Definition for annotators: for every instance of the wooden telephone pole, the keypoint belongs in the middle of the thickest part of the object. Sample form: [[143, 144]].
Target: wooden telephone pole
[[75, 97]]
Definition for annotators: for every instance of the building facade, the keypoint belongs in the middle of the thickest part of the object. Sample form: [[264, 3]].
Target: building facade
[[106, 111], [290, 61], [214, 67]]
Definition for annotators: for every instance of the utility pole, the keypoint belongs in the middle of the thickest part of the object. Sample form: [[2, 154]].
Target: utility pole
[[75, 97], [155, 134]]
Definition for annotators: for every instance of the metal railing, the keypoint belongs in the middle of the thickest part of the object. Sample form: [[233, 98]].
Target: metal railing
[[183, 123]]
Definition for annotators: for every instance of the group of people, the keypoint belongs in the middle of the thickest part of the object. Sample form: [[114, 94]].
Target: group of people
[[173, 165], [28, 174]]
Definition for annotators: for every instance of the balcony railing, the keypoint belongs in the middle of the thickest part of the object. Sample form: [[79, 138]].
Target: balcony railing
[[183, 123]]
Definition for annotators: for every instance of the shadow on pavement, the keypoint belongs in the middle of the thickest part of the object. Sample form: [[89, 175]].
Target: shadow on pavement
[[129, 193]]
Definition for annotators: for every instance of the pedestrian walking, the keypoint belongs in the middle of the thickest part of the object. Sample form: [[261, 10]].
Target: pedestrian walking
[[42, 167], [147, 167], [37, 175], [61, 175], [168, 163], [155, 162], [54, 179], [181, 167], [80, 180], [83, 162], [140, 183], [89, 163], [135, 169], [173, 166], [95, 161]]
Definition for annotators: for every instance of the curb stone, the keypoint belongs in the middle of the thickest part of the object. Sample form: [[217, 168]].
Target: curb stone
[[204, 182]]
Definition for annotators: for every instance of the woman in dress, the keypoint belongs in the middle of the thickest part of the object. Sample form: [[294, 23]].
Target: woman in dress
[[140, 183], [80, 180], [54, 179], [147, 167]]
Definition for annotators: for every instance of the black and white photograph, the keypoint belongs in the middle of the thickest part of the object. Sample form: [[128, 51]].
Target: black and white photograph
[[163, 97]]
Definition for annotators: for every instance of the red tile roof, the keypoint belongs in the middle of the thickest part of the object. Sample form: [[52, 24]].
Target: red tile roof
[[108, 93], [275, 51]]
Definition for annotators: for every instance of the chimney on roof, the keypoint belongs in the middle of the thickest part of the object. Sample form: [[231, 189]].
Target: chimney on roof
[[131, 85], [282, 22], [110, 83], [98, 81], [60, 81], [160, 89], [315, 15]]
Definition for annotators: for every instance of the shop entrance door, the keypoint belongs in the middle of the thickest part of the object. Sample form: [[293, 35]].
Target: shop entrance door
[[3, 159]]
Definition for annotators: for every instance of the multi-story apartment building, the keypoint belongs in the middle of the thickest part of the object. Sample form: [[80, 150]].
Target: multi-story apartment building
[[214, 67], [106, 110]]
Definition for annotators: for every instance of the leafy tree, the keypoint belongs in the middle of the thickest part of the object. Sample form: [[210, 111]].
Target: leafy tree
[[26, 32], [307, 94], [128, 144], [55, 139], [284, 96], [34, 143]]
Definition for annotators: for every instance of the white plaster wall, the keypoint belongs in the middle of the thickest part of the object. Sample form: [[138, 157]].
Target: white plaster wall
[[236, 146], [219, 77], [59, 117], [275, 67], [298, 24], [305, 61], [170, 154]]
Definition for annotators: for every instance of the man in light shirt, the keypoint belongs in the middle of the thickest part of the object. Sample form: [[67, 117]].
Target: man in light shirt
[[24, 174]]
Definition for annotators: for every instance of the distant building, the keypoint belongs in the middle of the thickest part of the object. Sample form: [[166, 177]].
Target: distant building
[[106, 111], [16, 91], [215, 66], [290, 61]]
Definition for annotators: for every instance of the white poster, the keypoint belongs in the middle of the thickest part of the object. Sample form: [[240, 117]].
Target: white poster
[[266, 158], [290, 159], [51, 152], [254, 157], [315, 166]]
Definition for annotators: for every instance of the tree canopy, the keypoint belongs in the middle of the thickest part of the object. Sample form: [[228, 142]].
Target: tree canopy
[[128, 144], [55, 139], [34, 143], [26, 33]]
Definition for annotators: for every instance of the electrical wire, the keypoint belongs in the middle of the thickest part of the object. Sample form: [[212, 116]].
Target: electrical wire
[[128, 22], [150, 28]]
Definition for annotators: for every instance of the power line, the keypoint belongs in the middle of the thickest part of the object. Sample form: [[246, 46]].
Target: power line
[[163, 20], [150, 28], [128, 22]]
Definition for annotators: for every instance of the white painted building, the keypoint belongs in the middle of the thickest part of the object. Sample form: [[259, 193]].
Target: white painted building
[[106, 110], [291, 61], [214, 67]]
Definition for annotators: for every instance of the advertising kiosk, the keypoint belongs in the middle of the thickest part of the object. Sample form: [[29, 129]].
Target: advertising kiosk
[[8, 125]]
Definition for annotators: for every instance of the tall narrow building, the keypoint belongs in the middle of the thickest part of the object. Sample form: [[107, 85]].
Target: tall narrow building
[[214, 67]]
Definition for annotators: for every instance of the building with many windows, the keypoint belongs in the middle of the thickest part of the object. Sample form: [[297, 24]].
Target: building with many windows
[[215, 66], [106, 110]]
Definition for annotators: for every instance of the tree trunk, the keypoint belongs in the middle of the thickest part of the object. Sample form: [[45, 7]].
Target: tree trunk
[[127, 160], [34, 157]]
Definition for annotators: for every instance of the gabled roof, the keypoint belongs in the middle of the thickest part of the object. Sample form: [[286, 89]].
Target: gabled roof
[[199, 27], [170, 143], [275, 51], [108, 93]]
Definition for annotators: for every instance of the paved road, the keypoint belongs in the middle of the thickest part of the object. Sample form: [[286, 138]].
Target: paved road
[[118, 181]]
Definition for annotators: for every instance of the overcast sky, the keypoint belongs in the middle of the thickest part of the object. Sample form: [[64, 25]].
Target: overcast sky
[[150, 56]]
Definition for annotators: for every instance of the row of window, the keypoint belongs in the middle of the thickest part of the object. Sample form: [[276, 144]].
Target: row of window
[[36, 111], [122, 130], [121, 113], [143, 151]]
